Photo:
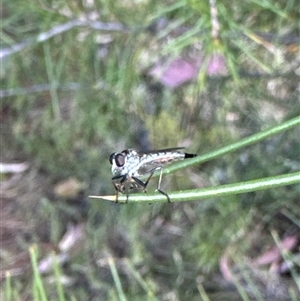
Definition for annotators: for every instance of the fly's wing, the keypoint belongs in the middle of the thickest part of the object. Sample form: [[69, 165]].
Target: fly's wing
[[148, 168], [171, 149]]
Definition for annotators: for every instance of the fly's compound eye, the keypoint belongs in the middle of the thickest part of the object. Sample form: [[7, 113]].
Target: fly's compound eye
[[120, 160], [111, 157]]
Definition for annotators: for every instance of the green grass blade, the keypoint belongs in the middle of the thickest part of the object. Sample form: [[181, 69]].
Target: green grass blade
[[37, 279], [210, 192], [116, 278], [57, 272], [52, 80], [8, 288], [234, 146], [202, 292], [141, 281]]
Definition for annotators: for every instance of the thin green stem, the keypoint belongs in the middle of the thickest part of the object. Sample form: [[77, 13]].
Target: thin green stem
[[53, 82], [234, 146], [210, 192], [147, 288], [116, 278], [58, 275], [37, 279], [8, 286]]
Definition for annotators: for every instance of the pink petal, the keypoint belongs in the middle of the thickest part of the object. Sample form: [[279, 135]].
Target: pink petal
[[176, 73]]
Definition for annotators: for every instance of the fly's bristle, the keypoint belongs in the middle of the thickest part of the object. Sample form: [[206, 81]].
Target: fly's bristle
[[187, 156]]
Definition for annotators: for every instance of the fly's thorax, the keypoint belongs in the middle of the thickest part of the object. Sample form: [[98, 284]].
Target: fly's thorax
[[132, 162]]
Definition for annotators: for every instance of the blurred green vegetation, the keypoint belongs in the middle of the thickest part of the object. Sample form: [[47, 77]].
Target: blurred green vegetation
[[72, 95]]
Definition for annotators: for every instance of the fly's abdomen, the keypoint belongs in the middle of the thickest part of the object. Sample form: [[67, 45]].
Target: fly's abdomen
[[162, 158], [187, 156]]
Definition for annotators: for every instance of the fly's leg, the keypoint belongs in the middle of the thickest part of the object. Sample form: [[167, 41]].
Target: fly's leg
[[141, 183], [159, 181], [120, 187], [117, 191], [127, 193], [144, 185], [158, 187]]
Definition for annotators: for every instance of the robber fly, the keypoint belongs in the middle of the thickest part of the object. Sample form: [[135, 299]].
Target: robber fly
[[129, 165]]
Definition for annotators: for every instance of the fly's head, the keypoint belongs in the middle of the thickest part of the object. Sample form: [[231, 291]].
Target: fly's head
[[118, 163], [123, 162]]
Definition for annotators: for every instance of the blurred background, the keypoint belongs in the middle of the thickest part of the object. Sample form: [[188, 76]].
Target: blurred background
[[83, 79]]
